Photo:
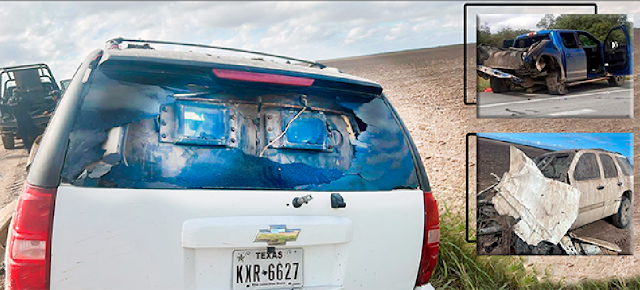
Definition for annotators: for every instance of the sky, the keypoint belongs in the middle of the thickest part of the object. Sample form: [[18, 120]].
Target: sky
[[61, 34], [617, 142]]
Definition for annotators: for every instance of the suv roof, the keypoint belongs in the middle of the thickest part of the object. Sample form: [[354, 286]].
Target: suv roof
[[317, 71], [583, 150]]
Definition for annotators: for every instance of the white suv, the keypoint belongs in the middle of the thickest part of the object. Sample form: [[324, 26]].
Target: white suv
[[183, 170]]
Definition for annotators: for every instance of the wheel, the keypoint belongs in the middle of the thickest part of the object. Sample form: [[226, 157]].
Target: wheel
[[555, 85], [616, 81], [623, 217], [499, 85], [7, 141]]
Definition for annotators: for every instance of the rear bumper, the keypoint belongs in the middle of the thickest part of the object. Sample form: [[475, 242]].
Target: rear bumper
[[427, 286], [11, 127]]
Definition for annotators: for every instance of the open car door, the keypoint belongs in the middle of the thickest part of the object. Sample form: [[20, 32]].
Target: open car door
[[618, 51]]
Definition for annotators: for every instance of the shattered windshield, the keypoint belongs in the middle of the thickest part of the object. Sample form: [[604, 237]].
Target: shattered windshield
[[555, 166], [185, 130]]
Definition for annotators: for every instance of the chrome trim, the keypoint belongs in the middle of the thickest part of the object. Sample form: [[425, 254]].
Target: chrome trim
[[277, 235]]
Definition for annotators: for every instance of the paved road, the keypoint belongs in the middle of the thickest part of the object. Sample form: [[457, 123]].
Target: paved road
[[594, 100]]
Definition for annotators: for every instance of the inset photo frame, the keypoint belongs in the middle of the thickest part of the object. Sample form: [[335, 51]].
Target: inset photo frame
[[555, 193], [554, 65]]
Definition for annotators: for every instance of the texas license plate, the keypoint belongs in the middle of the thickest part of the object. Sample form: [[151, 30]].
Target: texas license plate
[[261, 269]]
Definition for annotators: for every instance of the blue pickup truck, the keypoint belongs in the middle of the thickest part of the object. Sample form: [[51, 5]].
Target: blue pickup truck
[[557, 59]]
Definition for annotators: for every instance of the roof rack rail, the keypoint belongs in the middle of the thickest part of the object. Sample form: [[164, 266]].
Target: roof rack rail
[[24, 66], [117, 41]]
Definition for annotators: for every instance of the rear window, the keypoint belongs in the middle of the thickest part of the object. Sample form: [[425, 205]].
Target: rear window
[[529, 40], [555, 166], [587, 167], [183, 128], [625, 166]]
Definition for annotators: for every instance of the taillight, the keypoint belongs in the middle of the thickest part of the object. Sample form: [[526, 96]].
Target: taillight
[[262, 77], [28, 248], [431, 239]]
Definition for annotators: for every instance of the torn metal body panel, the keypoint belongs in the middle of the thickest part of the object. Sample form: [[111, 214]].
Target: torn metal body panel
[[525, 194], [521, 61], [596, 242], [567, 246], [499, 58]]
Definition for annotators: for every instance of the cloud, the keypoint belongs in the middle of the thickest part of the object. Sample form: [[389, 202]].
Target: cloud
[[61, 34]]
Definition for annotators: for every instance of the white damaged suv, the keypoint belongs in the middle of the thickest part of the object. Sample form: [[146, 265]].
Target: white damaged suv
[[183, 170]]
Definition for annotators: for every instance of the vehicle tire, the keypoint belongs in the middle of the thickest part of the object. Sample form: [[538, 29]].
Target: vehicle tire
[[7, 141], [555, 85], [616, 81], [624, 215], [499, 85]]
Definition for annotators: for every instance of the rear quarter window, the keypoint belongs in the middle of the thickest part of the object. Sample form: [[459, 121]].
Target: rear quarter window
[[525, 42], [186, 129], [587, 167], [625, 166]]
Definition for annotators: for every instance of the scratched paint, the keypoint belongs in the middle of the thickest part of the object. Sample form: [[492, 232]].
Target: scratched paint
[[354, 145]]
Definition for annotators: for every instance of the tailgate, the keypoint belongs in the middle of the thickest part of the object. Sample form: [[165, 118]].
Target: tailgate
[[171, 239]]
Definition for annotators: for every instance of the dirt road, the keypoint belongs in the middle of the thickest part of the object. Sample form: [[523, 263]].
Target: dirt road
[[12, 174]]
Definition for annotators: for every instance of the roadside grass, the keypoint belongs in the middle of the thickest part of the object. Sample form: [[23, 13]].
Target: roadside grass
[[482, 84], [460, 268]]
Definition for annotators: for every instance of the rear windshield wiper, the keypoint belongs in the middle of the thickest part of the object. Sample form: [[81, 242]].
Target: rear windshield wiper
[[196, 94]]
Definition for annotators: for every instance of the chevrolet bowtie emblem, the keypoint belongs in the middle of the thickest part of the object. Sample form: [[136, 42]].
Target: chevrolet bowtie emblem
[[277, 235]]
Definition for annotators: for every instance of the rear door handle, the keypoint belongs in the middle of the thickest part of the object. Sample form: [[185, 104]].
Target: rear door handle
[[600, 187]]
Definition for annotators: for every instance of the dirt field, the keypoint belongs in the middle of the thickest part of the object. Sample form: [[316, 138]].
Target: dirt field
[[426, 87], [493, 157], [12, 172]]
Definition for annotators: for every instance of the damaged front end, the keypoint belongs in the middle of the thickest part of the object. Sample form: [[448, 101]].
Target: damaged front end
[[189, 129], [527, 212]]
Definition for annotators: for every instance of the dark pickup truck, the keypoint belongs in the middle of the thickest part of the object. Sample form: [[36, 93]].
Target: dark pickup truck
[[557, 59], [35, 83]]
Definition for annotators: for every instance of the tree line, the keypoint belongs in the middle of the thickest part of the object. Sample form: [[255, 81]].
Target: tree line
[[596, 24]]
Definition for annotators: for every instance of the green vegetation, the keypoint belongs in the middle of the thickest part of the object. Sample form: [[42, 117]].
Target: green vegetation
[[482, 84], [459, 268], [495, 39], [596, 24]]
